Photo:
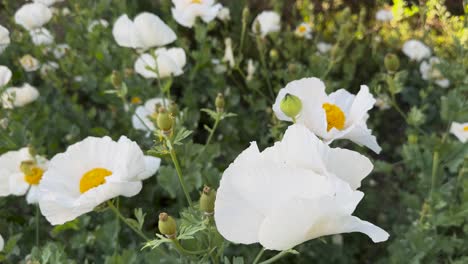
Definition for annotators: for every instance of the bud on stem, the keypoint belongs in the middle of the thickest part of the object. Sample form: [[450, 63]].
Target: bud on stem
[[167, 225], [291, 106], [116, 79], [164, 121], [207, 200], [220, 103], [392, 63]]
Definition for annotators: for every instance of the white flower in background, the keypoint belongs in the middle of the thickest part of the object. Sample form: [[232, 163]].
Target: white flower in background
[[47, 2], [33, 15], [304, 30], [324, 47], [250, 70], [144, 32], [19, 96], [92, 172], [218, 66], [141, 120], [66, 11], [20, 172], [269, 21], [5, 75], [384, 15], [168, 62], [429, 71], [4, 38], [382, 102], [295, 191], [224, 14], [416, 50], [78, 78], [228, 53], [185, 12], [2, 243], [96, 23], [340, 115], [41, 36], [48, 67], [460, 130], [60, 50], [29, 63]]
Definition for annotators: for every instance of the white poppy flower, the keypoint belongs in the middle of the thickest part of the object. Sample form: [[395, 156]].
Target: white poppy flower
[[269, 21], [29, 63], [60, 50], [340, 115], [384, 15], [21, 173], [4, 38], [460, 130], [41, 36], [33, 15], [92, 172], [416, 50], [429, 71], [224, 14], [168, 62], [95, 23], [250, 70], [19, 96], [5, 75], [47, 2], [185, 12], [145, 32], [141, 120], [304, 30], [228, 53], [295, 191], [324, 47], [48, 67]]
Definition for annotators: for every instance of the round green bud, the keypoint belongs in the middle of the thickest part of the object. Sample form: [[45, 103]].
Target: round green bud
[[116, 79], [173, 109], [392, 63], [164, 120], [274, 55], [291, 105], [245, 14], [413, 139], [207, 200], [220, 102], [167, 225]]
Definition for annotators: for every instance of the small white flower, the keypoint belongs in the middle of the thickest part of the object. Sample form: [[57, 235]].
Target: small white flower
[[185, 12], [5, 75], [384, 15], [95, 23], [47, 2], [218, 66], [168, 62], [324, 47], [29, 63], [21, 172], [460, 130], [429, 71], [60, 50], [250, 70], [416, 50], [66, 11], [33, 15], [224, 14], [41, 36], [4, 38], [340, 115], [48, 67], [304, 30], [19, 96], [92, 172], [269, 22], [228, 54], [295, 191], [78, 78], [141, 120], [2, 243], [145, 32]]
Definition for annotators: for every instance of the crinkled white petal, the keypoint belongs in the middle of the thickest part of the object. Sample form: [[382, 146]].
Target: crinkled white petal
[[168, 62], [152, 165], [41, 36], [5, 75], [269, 21], [19, 96], [416, 50], [186, 12], [33, 15]]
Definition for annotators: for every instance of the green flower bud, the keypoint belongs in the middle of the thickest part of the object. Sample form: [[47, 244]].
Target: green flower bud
[[116, 79], [173, 109], [413, 139], [291, 105], [274, 55], [207, 200], [27, 166], [167, 225], [392, 63], [220, 102], [245, 15], [164, 120]]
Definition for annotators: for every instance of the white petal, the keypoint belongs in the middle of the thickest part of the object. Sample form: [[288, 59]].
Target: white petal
[[5, 75], [2, 243], [142, 64], [152, 166], [360, 134], [124, 32], [33, 15], [363, 102], [18, 186], [33, 195], [153, 31]]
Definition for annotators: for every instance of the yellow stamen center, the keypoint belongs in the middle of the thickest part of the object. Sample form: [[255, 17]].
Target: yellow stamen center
[[34, 176], [196, 1], [93, 178], [302, 29], [335, 116], [136, 100], [465, 129]]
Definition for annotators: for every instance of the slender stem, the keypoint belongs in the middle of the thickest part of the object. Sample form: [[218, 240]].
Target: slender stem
[[184, 251], [264, 66], [244, 26], [213, 129], [276, 257], [259, 255], [37, 224], [397, 107], [435, 167], [179, 174], [117, 212]]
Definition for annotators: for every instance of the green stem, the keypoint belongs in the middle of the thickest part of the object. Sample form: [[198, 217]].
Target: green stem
[[179, 174], [264, 66], [184, 251], [37, 224], [435, 167], [259, 255], [117, 212], [213, 129], [397, 107], [276, 257]]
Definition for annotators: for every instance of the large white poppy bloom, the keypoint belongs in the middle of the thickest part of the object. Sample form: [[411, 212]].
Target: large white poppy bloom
[[91, 172], [340, 115], [185, 12], [33, 15], [141, 119], [269, 22], [460, 130], [429, 71], [19, 96], [41, 36], [5, 75], [4, 38], [295, 191], [144, 32], [168, 62], [416, 50], [14, 180]]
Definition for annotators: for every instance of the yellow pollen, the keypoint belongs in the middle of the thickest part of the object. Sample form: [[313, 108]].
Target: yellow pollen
[[465, 128], [196, 1], [335, 116], [34, 176], [302, 29], [136, 100], [93, 178]]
